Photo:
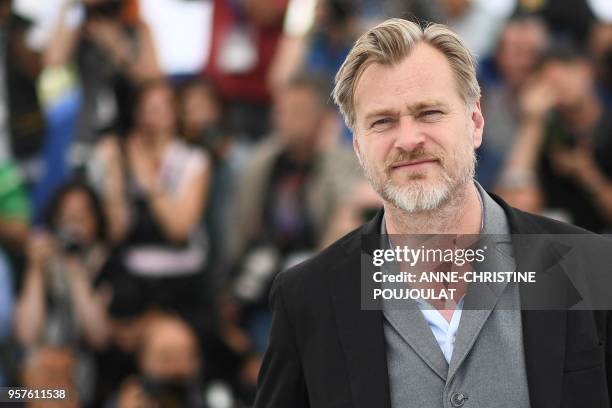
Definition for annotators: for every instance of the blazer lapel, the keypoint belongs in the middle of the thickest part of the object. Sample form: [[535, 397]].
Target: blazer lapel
[[544, 331], [413, 328], [360, 331]]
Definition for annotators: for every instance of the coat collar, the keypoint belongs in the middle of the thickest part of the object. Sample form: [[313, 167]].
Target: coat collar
[[544, 331]]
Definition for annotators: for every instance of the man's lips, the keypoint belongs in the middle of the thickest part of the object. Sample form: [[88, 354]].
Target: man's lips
[[413, 164]]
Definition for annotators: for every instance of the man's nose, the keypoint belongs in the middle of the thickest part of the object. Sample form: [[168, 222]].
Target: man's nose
[[410, 135]]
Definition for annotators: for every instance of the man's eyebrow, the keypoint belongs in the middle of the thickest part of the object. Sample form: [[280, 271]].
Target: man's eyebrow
[[427, 104], [415, 107], [380, 112]]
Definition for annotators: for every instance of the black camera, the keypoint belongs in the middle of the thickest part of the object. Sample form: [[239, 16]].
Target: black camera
[[69, 242]]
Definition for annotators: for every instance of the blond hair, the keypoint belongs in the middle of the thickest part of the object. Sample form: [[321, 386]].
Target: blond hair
[[389, 43]]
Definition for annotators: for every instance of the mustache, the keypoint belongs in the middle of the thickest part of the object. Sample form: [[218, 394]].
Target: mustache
[[420, 153]]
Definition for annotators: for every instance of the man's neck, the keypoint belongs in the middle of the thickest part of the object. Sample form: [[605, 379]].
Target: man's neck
[[462, 214]]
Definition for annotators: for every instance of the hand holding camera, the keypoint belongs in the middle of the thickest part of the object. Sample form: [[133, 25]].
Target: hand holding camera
[[537, 98], [40, 249]]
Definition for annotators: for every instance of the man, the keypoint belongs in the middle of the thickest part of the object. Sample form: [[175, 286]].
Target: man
[[521, 42], [169, 364], [411, 98], [294, 181], [48, 367]]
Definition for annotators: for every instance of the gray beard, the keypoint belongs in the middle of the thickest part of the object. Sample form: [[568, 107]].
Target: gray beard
[[421, 197]]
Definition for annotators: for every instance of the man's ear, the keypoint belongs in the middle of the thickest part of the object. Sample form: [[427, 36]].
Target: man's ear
[[357, 149], [478, 123]]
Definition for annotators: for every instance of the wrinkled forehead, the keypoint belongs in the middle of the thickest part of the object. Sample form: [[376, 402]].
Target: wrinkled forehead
[[423, 75]]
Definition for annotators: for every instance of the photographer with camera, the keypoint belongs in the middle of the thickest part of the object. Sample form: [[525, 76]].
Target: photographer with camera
[[169, 369], [563, 151], [59, 302], [63, 298], [113, 50]]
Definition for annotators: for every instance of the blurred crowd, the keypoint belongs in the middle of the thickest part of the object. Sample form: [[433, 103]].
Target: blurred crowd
[[162, 160]]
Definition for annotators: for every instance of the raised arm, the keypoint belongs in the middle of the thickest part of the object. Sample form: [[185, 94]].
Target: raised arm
[[107, 174], [64, 38], [178, 213], [89, 305], [30, 309], [139, 64]]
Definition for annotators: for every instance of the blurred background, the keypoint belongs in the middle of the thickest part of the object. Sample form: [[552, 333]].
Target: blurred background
[[162, 160]]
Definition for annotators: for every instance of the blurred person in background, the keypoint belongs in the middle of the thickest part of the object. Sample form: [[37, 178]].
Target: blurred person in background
[[48, 367], [521, 43], [62, 302], [245, 38], [568, 20], [295, 177], [113, 51], [169, 368], [286, 198], [316, 41], [203, 123], [135, 323], [21, 122], [155, 188], [562, 156], [58, 303]]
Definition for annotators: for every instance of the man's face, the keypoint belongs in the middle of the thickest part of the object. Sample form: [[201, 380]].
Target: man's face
[[519, 49], [297, 115], [170, 352], [414, 135], [52, 368]]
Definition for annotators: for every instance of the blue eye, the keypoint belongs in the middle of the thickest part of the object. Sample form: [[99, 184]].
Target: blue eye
[[431, 114], [381, 122]]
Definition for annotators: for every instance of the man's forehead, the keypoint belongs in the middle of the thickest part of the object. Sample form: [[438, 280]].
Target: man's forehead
[[424, 75]]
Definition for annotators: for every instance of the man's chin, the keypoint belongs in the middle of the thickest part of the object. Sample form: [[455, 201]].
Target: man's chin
[[402, 177], [415, 199], [420, 182]]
